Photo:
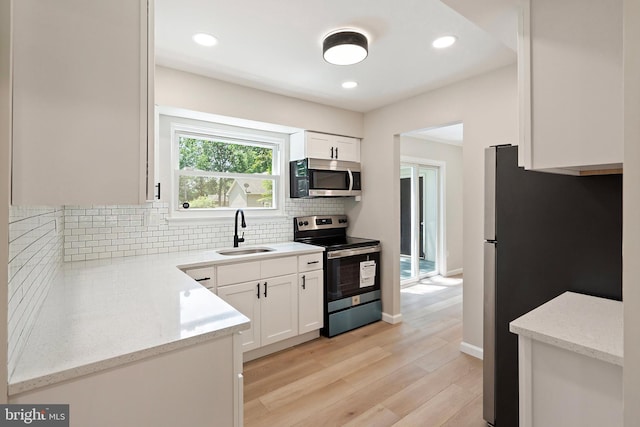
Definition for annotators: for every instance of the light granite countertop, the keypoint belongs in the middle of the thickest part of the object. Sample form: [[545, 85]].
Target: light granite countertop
[[580, 323], [105, 313]]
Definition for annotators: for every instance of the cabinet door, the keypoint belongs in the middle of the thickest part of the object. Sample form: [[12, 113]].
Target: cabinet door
[[310, 301], [246, 298], [571, 85], [319, 146], [279, 308], [347, 149], [81, 102]]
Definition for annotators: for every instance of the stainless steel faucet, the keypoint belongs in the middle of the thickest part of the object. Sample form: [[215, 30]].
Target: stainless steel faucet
[[237, 239]]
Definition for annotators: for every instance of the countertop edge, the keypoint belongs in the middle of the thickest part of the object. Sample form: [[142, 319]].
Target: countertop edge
[[114, 362], [567, 345], [580, 323]]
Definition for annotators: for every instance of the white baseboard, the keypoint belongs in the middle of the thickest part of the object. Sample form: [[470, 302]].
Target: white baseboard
[[392, 319], [453, 272], [471, 350]]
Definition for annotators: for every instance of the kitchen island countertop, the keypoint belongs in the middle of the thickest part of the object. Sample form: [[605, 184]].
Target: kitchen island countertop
[[580, 323]]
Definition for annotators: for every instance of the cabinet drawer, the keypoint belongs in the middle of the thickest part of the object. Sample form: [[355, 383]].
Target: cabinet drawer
[[279, 266], [203, 275], [310, 262], [237, 273]]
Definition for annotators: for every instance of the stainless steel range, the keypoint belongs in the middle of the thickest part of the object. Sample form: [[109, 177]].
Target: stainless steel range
[[351, 272]]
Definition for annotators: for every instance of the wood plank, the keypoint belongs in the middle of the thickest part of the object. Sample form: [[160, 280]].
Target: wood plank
[[420, 392], [468, 416], [302, 408], [347, 409], [439, 409], [280, 378], [378, 416], [320, 379]]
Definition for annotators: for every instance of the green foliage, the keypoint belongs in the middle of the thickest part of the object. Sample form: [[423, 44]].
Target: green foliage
[[218, 156], [203, 202]]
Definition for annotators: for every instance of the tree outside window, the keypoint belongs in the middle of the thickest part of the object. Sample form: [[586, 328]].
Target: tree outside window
[[218, 173]]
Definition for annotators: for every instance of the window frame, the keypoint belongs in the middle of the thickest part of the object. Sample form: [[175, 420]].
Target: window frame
[[235, 135]]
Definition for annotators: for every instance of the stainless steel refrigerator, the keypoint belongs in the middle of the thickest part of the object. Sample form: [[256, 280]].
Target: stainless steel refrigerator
[[544, 234]]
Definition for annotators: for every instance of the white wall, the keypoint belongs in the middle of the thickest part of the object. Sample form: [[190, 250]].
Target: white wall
[[197, 93], [487, 106], [451, 155], [631, 219]]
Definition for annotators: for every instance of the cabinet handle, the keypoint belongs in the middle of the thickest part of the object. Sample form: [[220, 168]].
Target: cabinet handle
[[265, 289], [312, 262], [203, 279], [336, 152], [158, 185], [304, 282], [258, 286], [332, 152]]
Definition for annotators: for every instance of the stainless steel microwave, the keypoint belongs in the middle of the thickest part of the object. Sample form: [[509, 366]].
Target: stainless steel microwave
[[324, 178]]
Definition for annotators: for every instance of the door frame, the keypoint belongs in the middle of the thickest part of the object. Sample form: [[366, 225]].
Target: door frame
[[441, 247]]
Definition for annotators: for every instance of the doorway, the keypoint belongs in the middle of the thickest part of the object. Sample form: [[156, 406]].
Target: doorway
[[419, 221]]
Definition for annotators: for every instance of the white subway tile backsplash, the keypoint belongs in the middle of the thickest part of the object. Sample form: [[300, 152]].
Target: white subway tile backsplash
[[116, 231], [36, 244]]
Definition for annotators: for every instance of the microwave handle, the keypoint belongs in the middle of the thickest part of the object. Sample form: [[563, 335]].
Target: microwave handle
[[350, 180]]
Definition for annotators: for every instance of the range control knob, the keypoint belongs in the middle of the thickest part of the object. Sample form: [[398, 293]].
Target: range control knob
[[300, 224], [306, 223]]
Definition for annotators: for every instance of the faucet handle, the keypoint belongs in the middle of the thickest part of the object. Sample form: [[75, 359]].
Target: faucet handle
[[241, 239]]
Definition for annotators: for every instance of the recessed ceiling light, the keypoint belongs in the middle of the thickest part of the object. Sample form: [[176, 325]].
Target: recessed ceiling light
[[345, 47], [349, 85], [205, 39], [445, 41]]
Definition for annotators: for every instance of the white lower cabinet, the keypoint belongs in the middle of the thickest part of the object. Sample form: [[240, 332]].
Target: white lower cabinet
[[272, 306], [310, 295], [282, 296]]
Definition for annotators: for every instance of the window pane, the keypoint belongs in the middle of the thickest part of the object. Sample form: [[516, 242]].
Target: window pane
[[202, 192], [219, 156]]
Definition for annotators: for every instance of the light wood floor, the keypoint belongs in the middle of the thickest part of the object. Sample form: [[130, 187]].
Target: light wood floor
[[409, 374]]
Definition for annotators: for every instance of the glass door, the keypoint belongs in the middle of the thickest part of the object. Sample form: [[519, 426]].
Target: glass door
[[419, 222]]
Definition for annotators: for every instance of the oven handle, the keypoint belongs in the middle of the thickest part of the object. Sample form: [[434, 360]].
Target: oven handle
[[352, 252]]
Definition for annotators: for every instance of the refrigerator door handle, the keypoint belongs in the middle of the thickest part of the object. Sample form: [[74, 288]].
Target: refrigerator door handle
[[489, 333], [490, 158]]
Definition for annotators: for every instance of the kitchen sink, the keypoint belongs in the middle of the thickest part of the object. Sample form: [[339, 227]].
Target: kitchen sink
[[244, 251]]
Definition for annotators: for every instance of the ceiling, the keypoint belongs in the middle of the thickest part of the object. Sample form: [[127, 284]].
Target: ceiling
[[276, 45], [449, 134]]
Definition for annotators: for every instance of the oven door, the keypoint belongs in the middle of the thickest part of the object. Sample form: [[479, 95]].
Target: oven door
[[351, 272]]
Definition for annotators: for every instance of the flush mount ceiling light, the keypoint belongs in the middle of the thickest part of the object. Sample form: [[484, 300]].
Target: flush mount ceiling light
[[204, 39], [445, 41], [349, 85], [345, 47]]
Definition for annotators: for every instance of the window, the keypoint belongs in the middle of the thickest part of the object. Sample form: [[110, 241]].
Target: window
[[225, 168]]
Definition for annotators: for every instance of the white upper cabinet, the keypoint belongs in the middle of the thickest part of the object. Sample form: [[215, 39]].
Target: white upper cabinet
[[82, 102], [570, 86], [324, 146]]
